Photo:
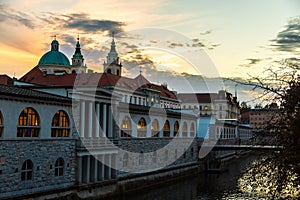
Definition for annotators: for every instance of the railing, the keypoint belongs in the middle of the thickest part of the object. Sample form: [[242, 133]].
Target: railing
[[96, 143]]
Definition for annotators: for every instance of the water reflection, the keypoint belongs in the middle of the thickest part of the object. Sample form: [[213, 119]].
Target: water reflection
[[200, 187]]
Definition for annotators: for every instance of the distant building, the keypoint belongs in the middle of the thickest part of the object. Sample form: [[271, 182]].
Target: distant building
[[262, 118], [221, 105]]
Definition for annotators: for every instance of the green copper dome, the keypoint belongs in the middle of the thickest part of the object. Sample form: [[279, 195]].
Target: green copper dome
[[54, 57]]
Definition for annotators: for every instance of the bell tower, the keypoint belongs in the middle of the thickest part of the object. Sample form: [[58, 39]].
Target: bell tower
[[78, 60], [112, 64]]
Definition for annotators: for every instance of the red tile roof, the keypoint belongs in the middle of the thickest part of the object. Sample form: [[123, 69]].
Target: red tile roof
[[36, 76], [6, 80], [197, 97]]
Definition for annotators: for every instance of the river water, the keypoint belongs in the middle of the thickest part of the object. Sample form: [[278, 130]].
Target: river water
[[200, 187]]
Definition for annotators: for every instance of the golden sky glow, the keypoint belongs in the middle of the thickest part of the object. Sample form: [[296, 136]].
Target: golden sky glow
[[237, 37]]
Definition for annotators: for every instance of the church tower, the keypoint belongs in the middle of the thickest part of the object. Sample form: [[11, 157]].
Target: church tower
[[112, 64], [78, 60]]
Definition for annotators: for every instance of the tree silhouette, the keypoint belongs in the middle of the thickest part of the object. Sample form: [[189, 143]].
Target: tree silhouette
[[278, 173]]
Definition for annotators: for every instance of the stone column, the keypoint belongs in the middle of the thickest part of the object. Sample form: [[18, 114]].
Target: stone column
[[102, 167], [79, 170], [90, 128], [82, 118], [88, 168], [114, 166], [109, 166], [97, 122], [110, 120], [104, 116], [95, 169]]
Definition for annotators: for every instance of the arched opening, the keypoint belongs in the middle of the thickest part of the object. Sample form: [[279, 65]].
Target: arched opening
[[176, 128], [59, 167], [118, 72], [166, 129], [155, 128], [1, 124], [192, 130], [126, 127], [109, 71], [184, 130], [28, 123], [142, 128], [27, 170], [60, 124]]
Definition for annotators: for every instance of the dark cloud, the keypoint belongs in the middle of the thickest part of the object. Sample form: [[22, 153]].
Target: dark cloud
[[68, 39], [83, 22], [195, 43], [8, 14], [289, 39], [293, 60], [206, 32], [253, 61], [174, 45]]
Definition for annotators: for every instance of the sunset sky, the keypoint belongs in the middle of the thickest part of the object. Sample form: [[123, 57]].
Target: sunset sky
[[238, 37]]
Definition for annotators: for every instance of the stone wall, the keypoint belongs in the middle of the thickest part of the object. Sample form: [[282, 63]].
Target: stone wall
[[43, 154], [150, 154]]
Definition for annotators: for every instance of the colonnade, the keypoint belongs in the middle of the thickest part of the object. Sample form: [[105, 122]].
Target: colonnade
[[96, 168], [96, 120]]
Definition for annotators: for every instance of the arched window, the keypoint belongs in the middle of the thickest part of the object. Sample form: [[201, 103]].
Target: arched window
[[1, 124], [167, 129], [27, 170], [142, 128], [192, 130], [60, 124], [126, 127], [28, 124], [141, 158], [109, 71], [184, 130], [125, 160], [59, 167], [176, 128], [155, 128]]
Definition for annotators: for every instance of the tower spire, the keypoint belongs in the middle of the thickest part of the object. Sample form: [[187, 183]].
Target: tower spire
[[112, 64], [77, 59], [113, 44]]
